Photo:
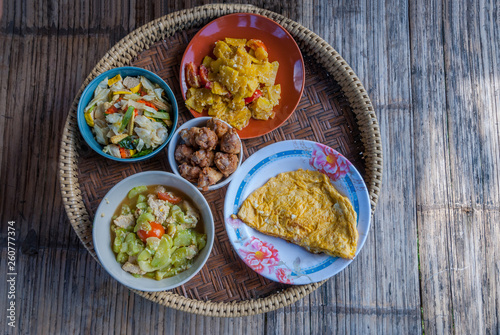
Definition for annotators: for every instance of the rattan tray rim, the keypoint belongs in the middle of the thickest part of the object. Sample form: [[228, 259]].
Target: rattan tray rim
[[128, 48]]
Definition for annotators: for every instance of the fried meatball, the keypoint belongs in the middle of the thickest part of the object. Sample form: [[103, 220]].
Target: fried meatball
[[219, 127], [189, 135], [183, 153], [226, 163], [208, 176], [206, 139], [189, 172], [230, 142], [203, 158]]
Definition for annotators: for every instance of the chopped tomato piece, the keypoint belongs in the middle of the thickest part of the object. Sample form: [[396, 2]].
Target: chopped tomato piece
[[156, 230], [192, 77], [169, 197], [142, 93], [111, 110], [257, 94], [254, 44], [204, 75]]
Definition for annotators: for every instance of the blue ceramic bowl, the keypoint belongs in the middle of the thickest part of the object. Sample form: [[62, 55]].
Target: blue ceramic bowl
[[88, 94]]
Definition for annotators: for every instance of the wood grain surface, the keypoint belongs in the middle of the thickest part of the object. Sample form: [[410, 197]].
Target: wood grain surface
[[431, 261]]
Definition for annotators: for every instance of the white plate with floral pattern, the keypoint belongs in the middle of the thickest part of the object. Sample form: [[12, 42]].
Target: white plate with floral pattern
[[275, 258]]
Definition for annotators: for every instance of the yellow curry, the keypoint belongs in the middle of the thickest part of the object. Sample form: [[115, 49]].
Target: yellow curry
[[237, 85]]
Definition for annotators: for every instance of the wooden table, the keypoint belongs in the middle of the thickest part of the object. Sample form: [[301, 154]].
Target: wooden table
[[431, 261]]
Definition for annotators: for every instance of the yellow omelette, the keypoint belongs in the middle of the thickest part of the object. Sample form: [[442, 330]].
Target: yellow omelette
[[303, 207]]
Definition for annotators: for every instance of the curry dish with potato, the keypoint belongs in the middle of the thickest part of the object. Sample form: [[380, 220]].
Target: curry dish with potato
[[237, 85]]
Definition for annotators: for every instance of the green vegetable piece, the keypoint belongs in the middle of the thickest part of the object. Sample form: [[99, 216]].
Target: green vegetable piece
[[146, 226], [162, 254], [144, 255], [179, 216], [144, 261], [136, 247], [170, 272], [137, 190], [170, 241], [124, 247], [126, 119], [129, 143], [119, 238], [159, 275], [144, 152], [181, 255], [145, 266], [184, 238], [150, 274], [125, 210], [158, 115], [122, 257], [133, 245], [145, 217], [136, 275], [143, 221], [152, 244], [141, 198], [201, 240], [142, 205]]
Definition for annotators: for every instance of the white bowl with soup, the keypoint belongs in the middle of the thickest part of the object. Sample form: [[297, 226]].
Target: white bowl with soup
[[153, 231]]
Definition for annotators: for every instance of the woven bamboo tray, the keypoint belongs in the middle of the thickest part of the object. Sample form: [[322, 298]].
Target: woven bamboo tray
[[335, 110]]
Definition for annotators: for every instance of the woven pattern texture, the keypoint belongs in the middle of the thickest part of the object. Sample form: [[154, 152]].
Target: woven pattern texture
[[334, 110]]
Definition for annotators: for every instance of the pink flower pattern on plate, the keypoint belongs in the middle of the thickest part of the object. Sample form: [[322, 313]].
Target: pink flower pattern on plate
[[235, 223], [259, 255], [328, 161], [283, 275]]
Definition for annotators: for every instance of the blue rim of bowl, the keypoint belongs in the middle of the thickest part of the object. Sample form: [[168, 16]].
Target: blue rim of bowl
[[97, 247], [85, 128]]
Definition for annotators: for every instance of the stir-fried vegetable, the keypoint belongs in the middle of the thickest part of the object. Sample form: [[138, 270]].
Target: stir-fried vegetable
[[136, 191], [130, 107], [155, 233]]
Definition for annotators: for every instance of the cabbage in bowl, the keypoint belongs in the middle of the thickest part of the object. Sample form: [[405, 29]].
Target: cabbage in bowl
[[129, 116]]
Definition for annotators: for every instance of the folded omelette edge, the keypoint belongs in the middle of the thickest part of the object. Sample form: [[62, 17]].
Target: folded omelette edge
[[304, 208]]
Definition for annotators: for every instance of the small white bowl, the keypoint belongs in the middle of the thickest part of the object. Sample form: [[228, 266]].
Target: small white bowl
[[102, 231], [176, 140]]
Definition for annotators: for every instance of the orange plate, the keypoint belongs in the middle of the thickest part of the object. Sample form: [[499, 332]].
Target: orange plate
[[280, 46]]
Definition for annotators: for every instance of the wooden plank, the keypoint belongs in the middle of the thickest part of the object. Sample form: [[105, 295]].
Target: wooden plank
[[457, 96], [6, 117], [396, 258], [431, 165], [388, 301], [472, 47]]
